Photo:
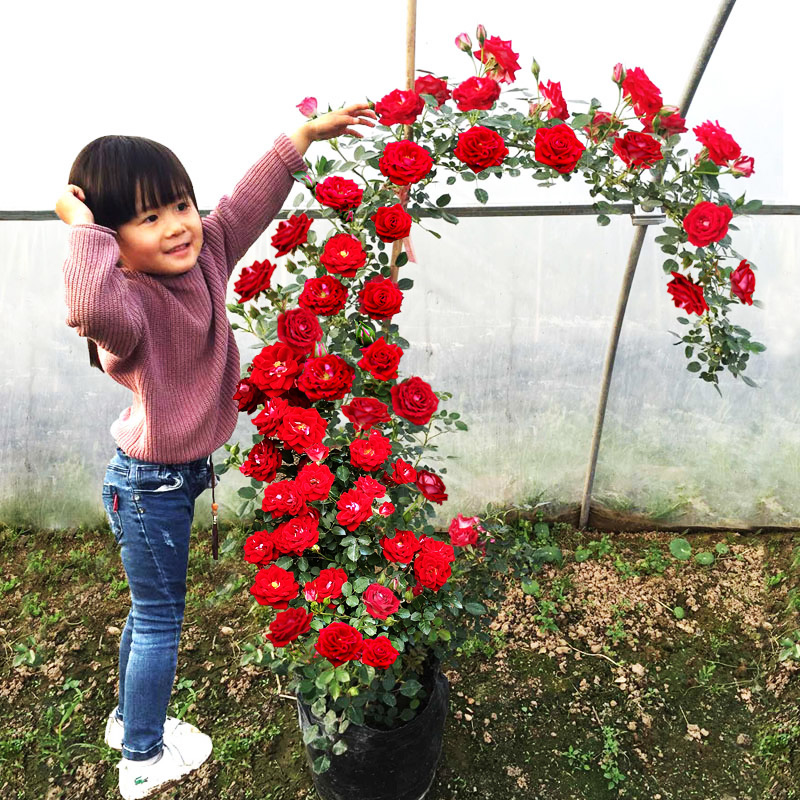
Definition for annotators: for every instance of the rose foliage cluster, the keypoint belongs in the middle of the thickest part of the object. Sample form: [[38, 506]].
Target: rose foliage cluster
[[358, 588]]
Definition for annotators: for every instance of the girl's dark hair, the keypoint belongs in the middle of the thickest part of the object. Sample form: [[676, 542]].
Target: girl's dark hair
[[121, 176]]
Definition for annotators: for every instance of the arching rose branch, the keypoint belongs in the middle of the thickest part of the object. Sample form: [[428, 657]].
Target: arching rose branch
[[344, 550]]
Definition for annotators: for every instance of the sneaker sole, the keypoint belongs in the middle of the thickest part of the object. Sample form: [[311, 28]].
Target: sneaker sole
[[162, 787]]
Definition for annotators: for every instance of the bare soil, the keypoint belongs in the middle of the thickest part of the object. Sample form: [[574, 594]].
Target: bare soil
[[590, 686]]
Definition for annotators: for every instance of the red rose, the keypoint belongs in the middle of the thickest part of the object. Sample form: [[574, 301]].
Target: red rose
[[289, 625], [386, 509], [268, 420], [259, 548], [558, 106], [326, 378], [476, 94], [301, 428], [501, 61], [283, 497], [364, 412], [299, 329], [667, 122], [325, 296], [274, 587], [464, 530], [414, 400], [381, 602], [378, 653], [253, 280], [743, 283], [247, 396], [405, 162], [262, 462], [326, 586], [381, 359], [380, 298], [315, 481], [401, 548], [720, 144], [403, 472], [431, 485], [480, 148], [343, 255], [707, 223], [428, 545], [369, 454], [436, 87], [339, 193], [291, 234], [391, 223], [354, 507], [296, 535], [638, 149], [370, 486], [687, 294], [743, 167], [602, 125], [275, 369], [339, 642], [432, 570], [558, 147], [644, 95], [400, 107]]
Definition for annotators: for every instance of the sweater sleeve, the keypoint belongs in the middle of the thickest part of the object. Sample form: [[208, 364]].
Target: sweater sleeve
[[240, 219], [100, 303]]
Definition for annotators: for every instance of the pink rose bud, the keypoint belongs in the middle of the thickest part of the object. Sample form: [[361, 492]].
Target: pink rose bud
[[320, 349], [308, 106], [618, 74], [743, 167], [317, 452], [463, 42], [386, 510], [480, 34]]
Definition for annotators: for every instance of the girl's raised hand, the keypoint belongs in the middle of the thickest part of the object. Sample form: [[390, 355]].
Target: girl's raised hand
[[71, 207], [333, 124]]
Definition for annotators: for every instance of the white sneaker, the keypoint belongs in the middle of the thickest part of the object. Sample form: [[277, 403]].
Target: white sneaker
[[181, 755], [115, 728]]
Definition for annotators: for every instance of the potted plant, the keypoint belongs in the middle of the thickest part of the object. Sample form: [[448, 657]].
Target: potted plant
[[363, 598]]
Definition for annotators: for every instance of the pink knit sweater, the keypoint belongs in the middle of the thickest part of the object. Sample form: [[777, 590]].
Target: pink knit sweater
[[167, 338]]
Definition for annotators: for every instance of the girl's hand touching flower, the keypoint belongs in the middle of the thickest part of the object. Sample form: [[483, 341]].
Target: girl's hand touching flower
[[71, 207], [333, 124]]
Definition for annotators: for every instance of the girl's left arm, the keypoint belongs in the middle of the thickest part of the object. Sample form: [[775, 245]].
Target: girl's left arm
[[240, 219]]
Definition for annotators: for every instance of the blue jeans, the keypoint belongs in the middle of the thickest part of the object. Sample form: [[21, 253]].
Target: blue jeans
[[150, 508]]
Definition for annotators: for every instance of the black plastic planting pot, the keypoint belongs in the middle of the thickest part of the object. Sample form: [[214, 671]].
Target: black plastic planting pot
[[398, 764]]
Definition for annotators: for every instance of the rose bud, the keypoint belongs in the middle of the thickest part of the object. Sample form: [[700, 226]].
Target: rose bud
[[308, 106], [535, 70], [742, 167], [480, 34], [386, 509], [463, 42], [618, 74]]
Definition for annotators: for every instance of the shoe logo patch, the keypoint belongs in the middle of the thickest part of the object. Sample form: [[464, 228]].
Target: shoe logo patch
[[139, 781]]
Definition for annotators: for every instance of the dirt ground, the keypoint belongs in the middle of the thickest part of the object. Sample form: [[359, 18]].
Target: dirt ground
[[589, 686]]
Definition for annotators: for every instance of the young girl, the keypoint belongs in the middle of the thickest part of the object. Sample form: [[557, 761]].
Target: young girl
[[145, 283]]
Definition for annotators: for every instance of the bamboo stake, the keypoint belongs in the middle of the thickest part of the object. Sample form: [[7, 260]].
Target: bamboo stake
[[703, 57], [411, 46]]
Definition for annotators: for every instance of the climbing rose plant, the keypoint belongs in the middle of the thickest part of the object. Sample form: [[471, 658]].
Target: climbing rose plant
[[360, 589]]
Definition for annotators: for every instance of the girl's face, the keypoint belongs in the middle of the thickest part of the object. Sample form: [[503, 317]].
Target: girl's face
[[162, 241]]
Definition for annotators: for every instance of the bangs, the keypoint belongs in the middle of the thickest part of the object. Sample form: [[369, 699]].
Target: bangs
[[124, 175]]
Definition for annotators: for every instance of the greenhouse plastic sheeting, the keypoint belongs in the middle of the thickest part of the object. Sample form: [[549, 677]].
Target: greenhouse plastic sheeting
[[513, 320]]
